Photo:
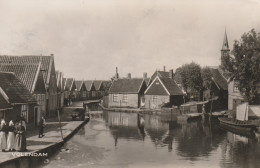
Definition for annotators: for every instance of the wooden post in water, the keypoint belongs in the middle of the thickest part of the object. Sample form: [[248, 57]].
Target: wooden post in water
[[60, 124]]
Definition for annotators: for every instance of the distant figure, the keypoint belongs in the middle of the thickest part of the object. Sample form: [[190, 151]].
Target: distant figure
[[20, 139], [3, 131], [11, 137], [41, 127]]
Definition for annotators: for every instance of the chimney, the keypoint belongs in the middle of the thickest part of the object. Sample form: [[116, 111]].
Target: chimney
[[129, 75], [164, 69], [116, 75], [171, 73], [145, 75]]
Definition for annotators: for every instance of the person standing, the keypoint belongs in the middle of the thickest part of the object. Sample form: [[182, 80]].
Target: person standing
[[20, 139], [41, 127], [11, 137], [3, 131]]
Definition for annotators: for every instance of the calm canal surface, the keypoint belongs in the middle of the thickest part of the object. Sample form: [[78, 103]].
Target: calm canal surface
[[114, 139]]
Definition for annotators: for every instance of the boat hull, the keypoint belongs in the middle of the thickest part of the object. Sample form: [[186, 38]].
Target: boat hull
[[242, 126]]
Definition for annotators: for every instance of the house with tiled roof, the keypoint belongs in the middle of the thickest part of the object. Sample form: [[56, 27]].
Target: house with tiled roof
[[19, 97], [31, 76], [81, 90], [48, 71], [164, 74], [91, 89], [163, 90], [126, 92]]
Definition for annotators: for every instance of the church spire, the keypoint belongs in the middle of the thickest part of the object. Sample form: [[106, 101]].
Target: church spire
[[225, 45], [225, 49]]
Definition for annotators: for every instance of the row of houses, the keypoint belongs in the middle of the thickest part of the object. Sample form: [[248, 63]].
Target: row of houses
[[31, 87], [77, 90], [164, 88]]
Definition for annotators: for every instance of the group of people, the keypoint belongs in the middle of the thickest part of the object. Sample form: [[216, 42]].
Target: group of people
[[12, 137]]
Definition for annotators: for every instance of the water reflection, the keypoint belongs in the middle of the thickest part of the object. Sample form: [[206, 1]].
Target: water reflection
[[193, 139], [159, 140]]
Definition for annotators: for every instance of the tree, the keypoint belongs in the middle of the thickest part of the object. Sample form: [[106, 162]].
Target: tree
[[206, 77], [244, 64], [191, 79]]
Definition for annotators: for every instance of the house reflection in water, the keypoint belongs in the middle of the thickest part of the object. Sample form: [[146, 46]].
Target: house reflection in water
[[124, 126], [190, 139]]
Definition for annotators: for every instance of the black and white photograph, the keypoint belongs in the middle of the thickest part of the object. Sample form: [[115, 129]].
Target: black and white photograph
[[129, 83]]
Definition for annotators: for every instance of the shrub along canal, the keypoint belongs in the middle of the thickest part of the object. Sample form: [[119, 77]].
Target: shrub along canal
[[118, 139]]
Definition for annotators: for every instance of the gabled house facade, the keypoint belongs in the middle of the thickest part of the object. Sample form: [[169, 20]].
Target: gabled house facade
[[126, 92], [18, 96], [163, 91], [31, 76], [81, 90], [91, 90], [70, 88], [60, 89], [100, 89]]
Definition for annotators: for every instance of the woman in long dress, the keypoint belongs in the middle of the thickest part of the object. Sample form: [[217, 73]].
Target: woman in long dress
[[20, 139], [3, 131], [11, 137]]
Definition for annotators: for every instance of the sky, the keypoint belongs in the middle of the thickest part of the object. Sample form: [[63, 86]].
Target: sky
[[90, 38]]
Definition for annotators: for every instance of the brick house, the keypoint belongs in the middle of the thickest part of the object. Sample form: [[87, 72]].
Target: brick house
[[18, 96], [126, 92], [161, 91]]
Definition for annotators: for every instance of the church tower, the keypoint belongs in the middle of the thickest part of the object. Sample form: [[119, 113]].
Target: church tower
[[225, 49]]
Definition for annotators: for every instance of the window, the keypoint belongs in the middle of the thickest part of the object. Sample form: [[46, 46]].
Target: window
[[24, 112], [115, 97], [155, 98], [236, 86], [93, 93], [125, 98]]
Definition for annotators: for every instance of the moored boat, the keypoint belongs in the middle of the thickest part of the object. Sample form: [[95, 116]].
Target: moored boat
[[237, 125]]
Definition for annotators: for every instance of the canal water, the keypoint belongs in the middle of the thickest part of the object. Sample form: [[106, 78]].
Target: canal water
[[118, 139]]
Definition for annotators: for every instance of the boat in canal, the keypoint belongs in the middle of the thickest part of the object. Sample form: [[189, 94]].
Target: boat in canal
[[237, 124], [240, 124]]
